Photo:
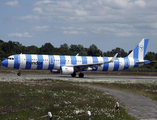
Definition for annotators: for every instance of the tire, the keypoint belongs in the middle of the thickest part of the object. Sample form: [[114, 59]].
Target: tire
[[81, 75], [73, 75], [18, 74]]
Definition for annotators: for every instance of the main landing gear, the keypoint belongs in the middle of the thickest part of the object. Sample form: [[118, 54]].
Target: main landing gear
[[19, 73], [81, 75], [73, 75]]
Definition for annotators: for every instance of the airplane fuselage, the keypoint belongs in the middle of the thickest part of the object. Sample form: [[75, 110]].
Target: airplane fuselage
[[50, 62]]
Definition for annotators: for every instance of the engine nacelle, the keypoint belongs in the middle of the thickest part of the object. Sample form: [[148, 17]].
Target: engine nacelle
[[67, 70], [89, 69]]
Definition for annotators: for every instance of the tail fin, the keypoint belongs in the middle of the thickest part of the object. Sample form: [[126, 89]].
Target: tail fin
[[140, 50]]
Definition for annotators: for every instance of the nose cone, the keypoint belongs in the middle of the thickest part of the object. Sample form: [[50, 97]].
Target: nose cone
[[4, 63]]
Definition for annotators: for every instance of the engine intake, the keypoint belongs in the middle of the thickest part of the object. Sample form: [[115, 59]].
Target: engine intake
[[67, 70]]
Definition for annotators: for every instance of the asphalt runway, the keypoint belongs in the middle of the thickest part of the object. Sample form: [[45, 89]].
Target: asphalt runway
[[138, 106]]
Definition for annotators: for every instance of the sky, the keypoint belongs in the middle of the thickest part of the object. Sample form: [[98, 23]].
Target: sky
[[106, 23]]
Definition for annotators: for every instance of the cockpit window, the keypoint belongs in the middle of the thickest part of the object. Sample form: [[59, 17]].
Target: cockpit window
[[10, 58]]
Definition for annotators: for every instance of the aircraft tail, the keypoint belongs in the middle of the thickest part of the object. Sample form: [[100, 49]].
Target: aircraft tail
[[140, 50]]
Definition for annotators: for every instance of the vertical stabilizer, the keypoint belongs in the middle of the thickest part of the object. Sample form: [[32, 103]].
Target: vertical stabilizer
[[140, 50]]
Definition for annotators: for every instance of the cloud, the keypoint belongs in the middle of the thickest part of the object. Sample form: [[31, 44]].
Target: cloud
[[114, 16], [80, 12], [25, 34], [44, 2], [140, 3], [27, 18], [12, 3], [117, 17], [83, 11], [154, 25], [74, 32], [48, 7], [71, 32], [38, 10], [116, 4], [124, 34], [65, 28], [72, 28], [41, 28]]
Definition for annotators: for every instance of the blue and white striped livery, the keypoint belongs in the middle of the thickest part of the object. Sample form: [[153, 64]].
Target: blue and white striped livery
[[72, 64]]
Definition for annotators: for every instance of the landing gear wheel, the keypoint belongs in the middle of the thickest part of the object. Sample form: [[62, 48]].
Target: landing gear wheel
[[19, 74], [81, 75], [73, 75]]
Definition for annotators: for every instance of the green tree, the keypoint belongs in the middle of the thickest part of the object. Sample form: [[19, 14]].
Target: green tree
[[1, 43], [151, 56], [74, 48], [107, 54], [32, 50], [47, 48], [120, 51], [78, 49], [94, 51], [64, 46]]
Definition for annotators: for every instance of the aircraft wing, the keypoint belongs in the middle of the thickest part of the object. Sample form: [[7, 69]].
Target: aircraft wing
[[83, 66]]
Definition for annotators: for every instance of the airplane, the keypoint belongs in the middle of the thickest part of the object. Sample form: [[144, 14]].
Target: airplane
[[71, 64]]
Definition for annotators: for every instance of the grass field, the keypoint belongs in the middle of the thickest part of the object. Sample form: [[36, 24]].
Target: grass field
[[35, 98], [145, 89]]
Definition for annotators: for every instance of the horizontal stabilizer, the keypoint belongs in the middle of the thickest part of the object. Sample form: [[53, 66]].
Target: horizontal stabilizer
[[144, 62]]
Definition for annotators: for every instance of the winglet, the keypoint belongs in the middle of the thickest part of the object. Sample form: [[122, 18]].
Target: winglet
[[77, 54], [112, 60]]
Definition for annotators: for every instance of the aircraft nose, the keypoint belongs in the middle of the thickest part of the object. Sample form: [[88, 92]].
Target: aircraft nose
[[4, 63]]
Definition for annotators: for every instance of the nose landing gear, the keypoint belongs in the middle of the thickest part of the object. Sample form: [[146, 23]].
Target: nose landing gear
[[19, 73]]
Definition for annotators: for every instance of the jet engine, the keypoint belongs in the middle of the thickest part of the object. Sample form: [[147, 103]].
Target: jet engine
[[67, 70]]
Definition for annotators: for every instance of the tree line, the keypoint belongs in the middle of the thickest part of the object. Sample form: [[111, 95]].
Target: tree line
[[12, 47]]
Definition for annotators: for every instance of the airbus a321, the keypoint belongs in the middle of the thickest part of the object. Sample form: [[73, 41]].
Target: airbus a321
[[71, 64]]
